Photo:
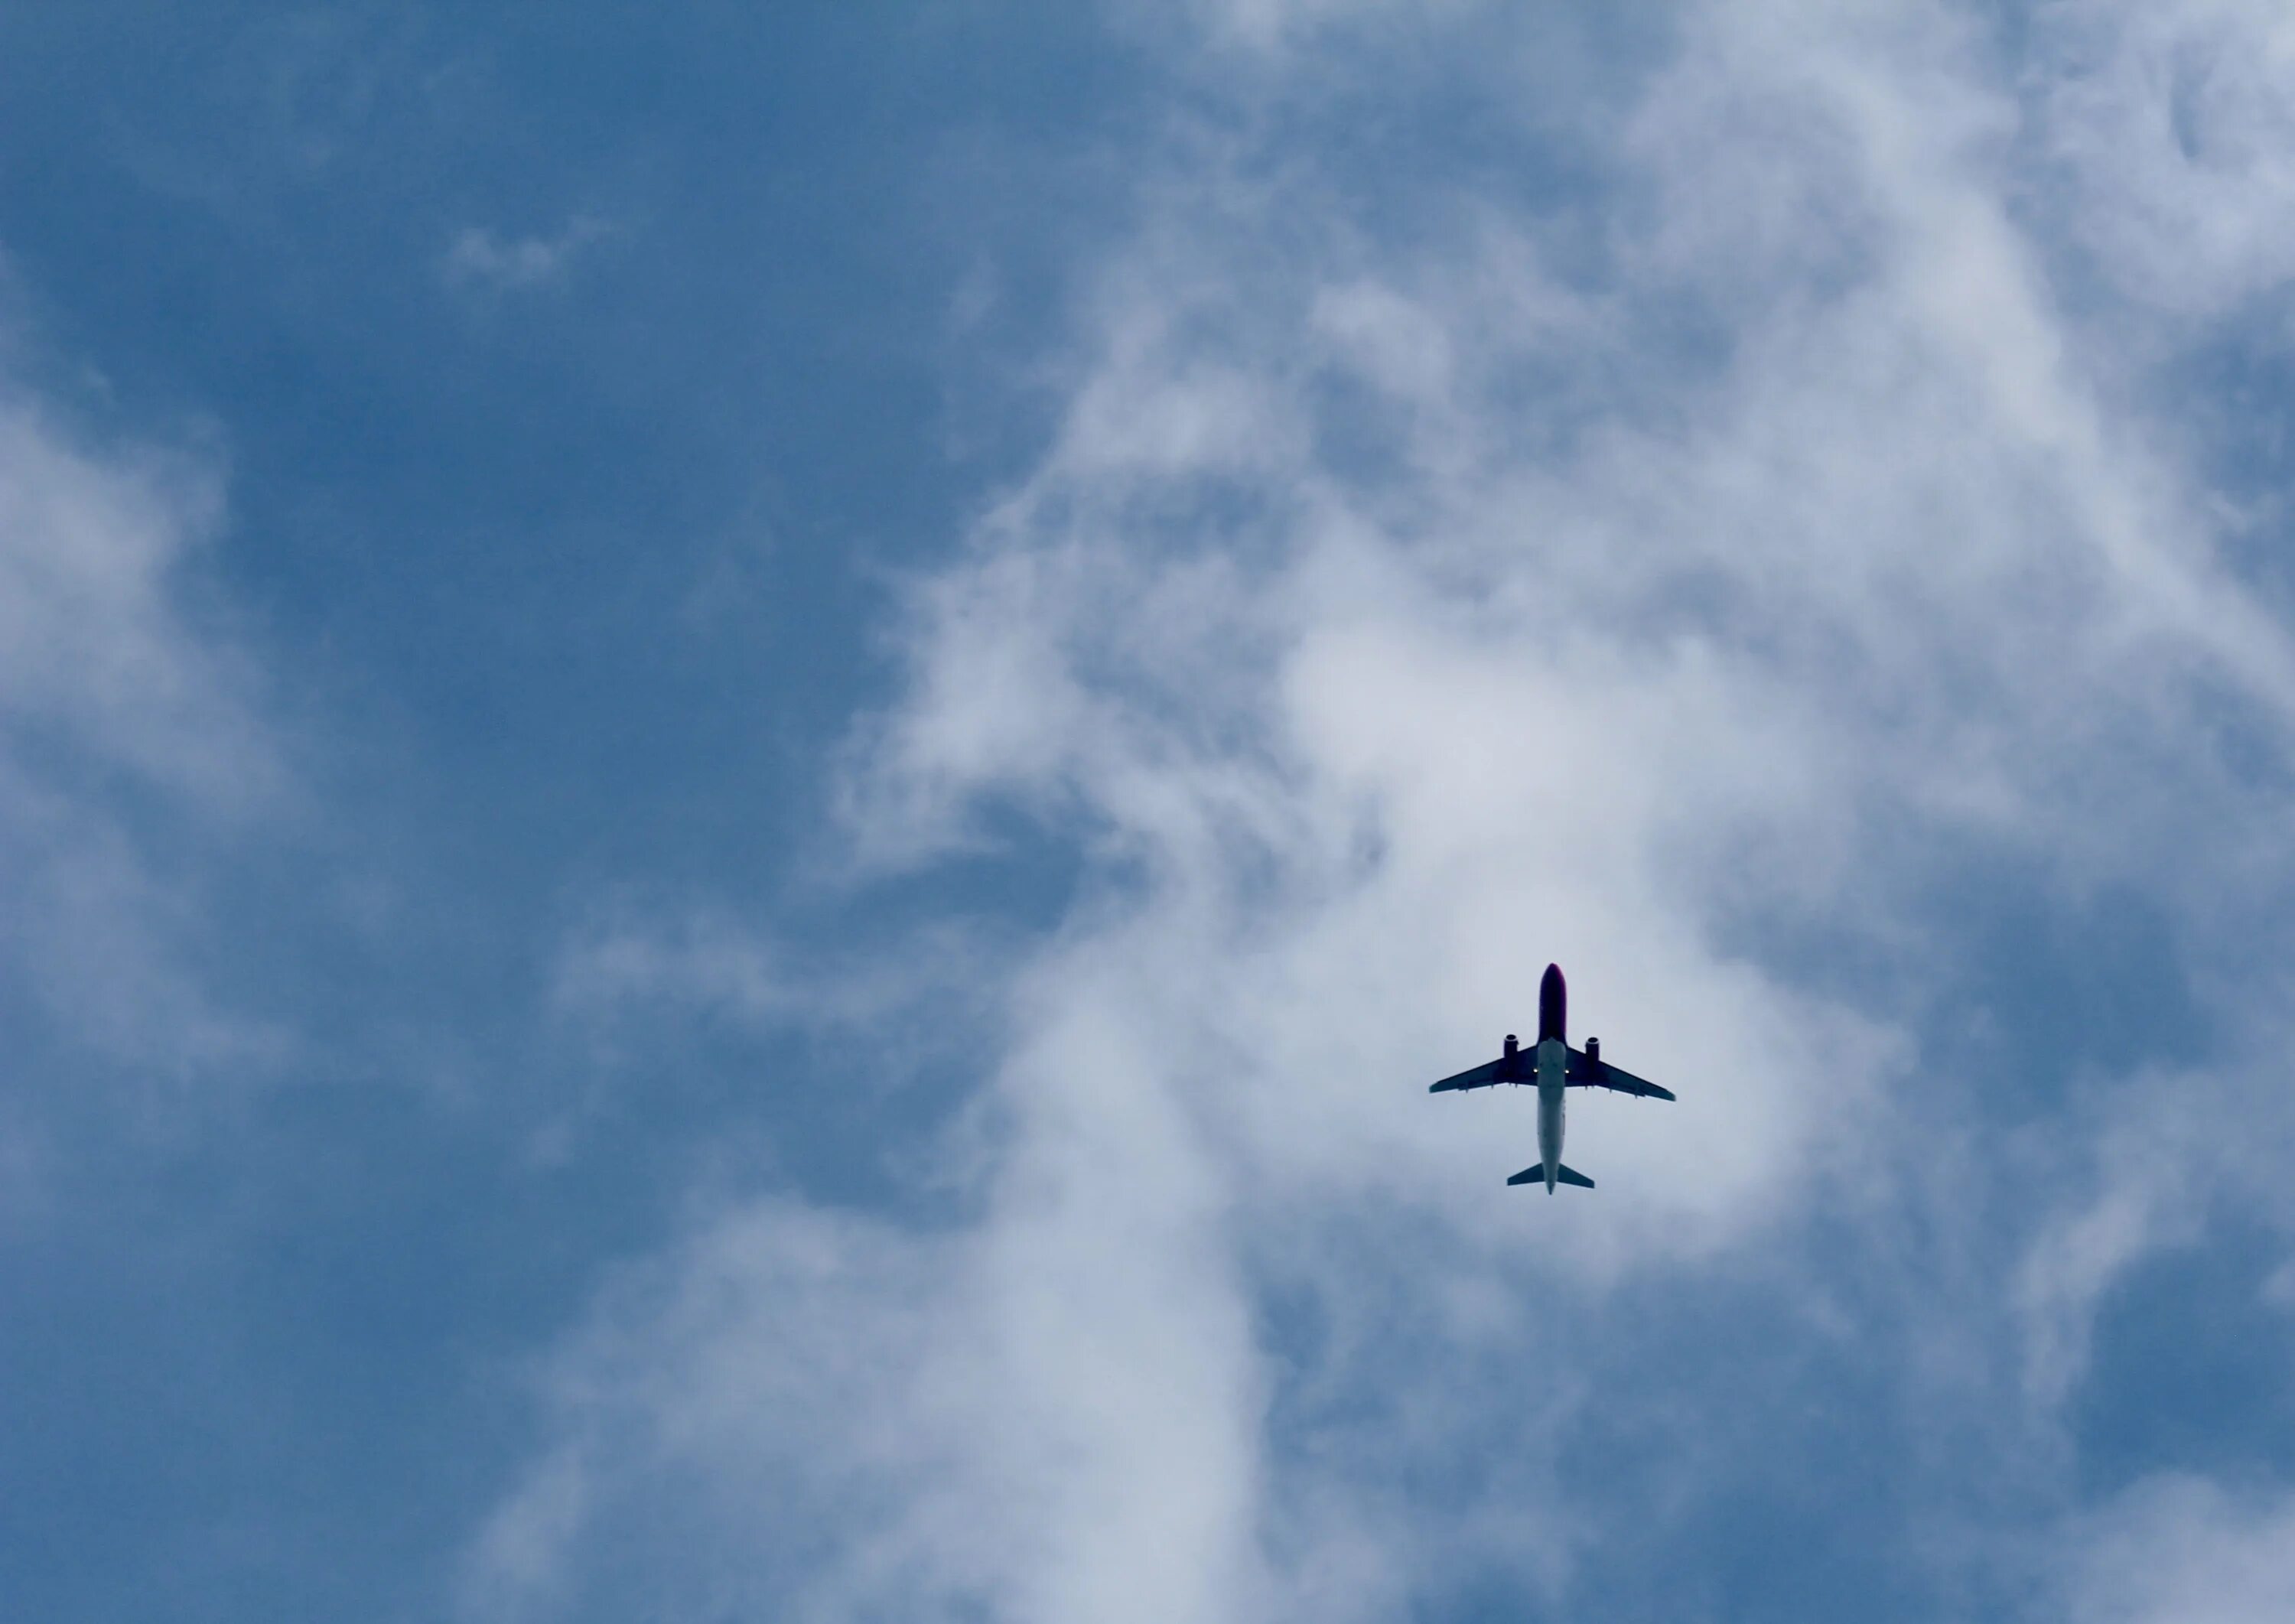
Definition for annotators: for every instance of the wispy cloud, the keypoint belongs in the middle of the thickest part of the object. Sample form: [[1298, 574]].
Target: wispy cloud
[[2175, 126], [128, 714], [2184, 1548], [482, 257], [1388, 614]]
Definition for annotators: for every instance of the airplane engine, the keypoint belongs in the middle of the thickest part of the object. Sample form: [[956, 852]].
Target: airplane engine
[[1593, 1048]]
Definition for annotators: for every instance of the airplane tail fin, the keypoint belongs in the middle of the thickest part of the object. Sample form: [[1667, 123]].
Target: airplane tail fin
[[1562, 1175]]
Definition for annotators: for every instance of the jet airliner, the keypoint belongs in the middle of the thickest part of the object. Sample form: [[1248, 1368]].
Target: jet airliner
[[1553, 1065]]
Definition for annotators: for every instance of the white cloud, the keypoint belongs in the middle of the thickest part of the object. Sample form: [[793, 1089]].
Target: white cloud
[[95, 640], [699, 957], [115, 691], [644, 971], [2176, 125], [1383, 620], [484, 257], [2180, 1550], [2148, 1153], [1260, 28]]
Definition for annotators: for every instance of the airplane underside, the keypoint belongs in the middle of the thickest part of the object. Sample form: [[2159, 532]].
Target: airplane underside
[[1553, 1068]]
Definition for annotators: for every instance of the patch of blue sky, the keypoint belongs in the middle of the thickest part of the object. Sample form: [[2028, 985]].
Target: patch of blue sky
[[2192, 1353], [510, 530], [569, 574]]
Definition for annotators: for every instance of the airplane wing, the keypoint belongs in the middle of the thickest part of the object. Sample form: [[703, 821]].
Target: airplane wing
[[1587, 1072], [1481, 1077]]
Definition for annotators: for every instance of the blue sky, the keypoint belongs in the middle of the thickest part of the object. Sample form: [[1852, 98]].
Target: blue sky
[[750, 759]]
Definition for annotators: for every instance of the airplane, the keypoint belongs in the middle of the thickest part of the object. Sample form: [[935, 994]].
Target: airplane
[[1553, 1065]]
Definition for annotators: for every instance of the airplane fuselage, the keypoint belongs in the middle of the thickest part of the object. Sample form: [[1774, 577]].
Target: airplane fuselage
[[1553, 1069], [1552, 1059]]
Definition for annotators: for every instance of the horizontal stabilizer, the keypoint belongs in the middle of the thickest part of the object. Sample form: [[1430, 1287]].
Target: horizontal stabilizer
[[1562, 1175]]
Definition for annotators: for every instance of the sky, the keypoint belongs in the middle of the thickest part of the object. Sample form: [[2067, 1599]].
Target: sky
[[751, 756]]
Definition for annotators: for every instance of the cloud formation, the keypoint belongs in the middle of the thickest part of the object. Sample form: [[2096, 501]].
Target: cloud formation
[[2184, 1548], [2174, 125], [130, 722], [482, 257], [1703, 579]]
